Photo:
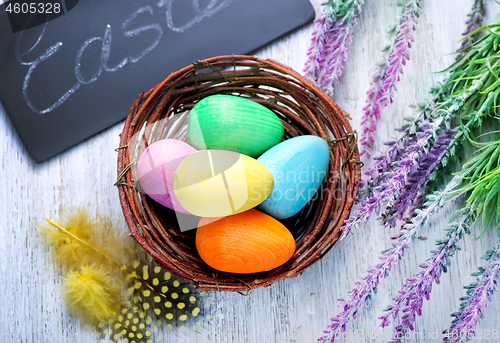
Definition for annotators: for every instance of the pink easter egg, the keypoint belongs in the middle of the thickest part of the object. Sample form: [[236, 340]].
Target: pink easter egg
[[156, 168]]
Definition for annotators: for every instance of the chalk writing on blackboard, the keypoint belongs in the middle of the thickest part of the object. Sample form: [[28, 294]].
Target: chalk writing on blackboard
[[213, 7], [155, 29]]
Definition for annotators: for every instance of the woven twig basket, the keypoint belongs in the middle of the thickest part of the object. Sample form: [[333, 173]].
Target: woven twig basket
[[304, 110]]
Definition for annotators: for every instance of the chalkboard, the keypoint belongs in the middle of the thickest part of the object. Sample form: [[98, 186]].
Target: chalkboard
[[68, 79]]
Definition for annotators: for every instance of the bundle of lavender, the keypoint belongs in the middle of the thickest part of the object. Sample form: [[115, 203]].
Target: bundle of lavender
[[396, 182], [478, 183], [477, 298], [388, 74], [328, 53], [330, 40], [389, 71]]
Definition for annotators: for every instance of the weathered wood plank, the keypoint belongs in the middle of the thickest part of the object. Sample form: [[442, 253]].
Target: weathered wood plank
[[31, 306]]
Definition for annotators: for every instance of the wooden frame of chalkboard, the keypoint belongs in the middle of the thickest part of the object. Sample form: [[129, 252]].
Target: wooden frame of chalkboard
[[68, 79]]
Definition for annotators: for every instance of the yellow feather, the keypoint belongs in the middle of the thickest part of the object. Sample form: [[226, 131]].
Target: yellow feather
[[65, 249], [79, 240], [92, 295], [109, 280]]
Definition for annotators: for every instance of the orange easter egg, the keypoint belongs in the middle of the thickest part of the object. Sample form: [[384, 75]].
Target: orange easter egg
[[248, 242]]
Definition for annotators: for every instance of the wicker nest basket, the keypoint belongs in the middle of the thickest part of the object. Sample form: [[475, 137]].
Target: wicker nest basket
[[304, 110]]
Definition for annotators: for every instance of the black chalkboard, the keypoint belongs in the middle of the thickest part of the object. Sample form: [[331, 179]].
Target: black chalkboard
[[77, 75]]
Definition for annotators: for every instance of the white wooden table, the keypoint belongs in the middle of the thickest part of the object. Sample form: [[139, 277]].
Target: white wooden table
[[293, 310]]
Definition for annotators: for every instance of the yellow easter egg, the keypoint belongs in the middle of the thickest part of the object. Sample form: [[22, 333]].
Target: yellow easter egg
[[218, 183]]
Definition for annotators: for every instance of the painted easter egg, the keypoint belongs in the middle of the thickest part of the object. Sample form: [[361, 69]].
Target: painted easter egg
[[217, 183], [156, 168], [229, 122], [298, 166], [247, 242]]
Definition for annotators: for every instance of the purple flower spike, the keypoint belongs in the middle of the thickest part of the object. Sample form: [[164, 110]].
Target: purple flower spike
[[389, 189], [413, 189], [329, 44], [397, 148], [364, 288], [387, 75], [478, 297], [411, 295], [474, 21], [394, 182], [408, 192]]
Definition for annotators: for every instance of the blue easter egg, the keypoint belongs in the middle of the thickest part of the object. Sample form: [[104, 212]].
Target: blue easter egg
[[298, 166]]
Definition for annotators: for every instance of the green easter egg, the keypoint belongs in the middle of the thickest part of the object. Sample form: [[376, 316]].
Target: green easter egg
[[228, 122]]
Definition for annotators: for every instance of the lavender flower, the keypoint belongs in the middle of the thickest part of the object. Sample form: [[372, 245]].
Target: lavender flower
[[388, 74], [410, 298], [330, 40], [440, 145], [384, 162], [480, 174], [441, 151], [368, 284], [388, 190], [394, 181], [410, 161], [413, 190], [478, 80], [474, 21], [477, 298]]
